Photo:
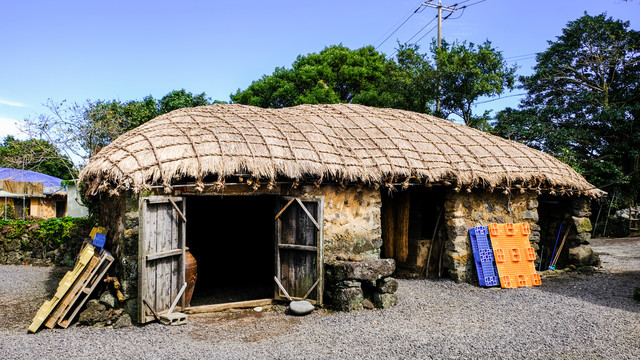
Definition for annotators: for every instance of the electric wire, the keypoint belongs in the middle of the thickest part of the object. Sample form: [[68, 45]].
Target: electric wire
[[398, 28], [499, 98]]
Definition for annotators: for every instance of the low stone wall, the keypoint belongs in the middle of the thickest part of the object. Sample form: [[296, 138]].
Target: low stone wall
[[356, 285], [25, 247]]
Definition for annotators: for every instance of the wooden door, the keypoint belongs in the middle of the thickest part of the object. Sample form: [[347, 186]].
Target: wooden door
[[161, 254], [299, 234]]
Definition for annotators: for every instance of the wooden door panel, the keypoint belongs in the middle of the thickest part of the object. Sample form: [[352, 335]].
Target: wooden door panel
[[299, 247], [161, 253]]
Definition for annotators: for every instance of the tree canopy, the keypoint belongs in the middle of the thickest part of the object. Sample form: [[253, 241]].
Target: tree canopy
[[583, 103], [338, 74], [35, 155]]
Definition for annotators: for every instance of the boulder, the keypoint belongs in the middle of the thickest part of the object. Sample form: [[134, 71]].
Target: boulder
[[300, 308], [94, 313], [346, 298], [108, 299], [581, 255], [583, 224], [372, 269], [387, 285], [123, 321], [383, 301]]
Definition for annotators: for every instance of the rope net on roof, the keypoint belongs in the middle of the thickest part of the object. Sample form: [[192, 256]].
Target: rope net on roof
[[348, 142]]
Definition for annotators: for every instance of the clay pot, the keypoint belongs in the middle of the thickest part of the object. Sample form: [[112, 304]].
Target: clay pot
[[190, 275]]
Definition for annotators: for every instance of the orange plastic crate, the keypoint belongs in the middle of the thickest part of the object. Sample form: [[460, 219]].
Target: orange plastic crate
[[514, 255]]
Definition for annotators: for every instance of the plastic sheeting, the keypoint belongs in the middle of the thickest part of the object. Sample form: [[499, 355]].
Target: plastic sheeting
[[50, 183]]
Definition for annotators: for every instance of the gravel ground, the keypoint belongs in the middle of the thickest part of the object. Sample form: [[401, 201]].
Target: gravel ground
[[570, 316]]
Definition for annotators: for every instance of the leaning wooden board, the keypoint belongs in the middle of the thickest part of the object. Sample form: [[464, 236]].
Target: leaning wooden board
[[79, 298], [65, 284]]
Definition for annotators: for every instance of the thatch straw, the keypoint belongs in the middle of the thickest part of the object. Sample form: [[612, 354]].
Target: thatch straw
[[346, 142]]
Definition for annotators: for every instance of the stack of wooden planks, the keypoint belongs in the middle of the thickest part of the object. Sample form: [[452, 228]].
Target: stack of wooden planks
[[74, 289]]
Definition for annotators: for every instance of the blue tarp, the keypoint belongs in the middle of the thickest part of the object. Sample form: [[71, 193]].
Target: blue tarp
[[51, 184]]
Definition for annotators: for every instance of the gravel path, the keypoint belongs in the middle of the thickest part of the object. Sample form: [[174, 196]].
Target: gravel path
[[570, 316]]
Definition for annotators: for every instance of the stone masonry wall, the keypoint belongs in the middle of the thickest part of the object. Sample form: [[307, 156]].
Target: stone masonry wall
[[479, 208], [352, 224]]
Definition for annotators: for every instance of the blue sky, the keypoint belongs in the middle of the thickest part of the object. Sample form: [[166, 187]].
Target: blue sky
[[78, 50]]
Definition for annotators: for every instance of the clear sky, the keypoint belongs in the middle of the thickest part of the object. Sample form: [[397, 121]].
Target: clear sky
[[78, 50]]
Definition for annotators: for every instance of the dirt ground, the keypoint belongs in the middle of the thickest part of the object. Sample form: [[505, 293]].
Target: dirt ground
[[571, 315]]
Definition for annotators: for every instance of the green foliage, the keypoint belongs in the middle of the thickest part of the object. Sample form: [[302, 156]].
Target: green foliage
[[467, 72], [583, 104], [336, 74], [179, 99], [636, 294], [35, 155], [364, 76], [11, 212]]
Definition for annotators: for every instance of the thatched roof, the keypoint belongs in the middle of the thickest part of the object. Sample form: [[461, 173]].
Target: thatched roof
[[345, 142]]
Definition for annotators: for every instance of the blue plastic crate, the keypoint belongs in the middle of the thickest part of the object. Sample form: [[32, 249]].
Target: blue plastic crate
[[99, 240], [483, 256]]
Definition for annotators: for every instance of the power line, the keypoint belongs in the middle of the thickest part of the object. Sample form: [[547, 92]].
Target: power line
[[398, 28], [419, 31], [500, 98]]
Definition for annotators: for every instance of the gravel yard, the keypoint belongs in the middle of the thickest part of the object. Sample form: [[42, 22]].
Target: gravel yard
[[570, 316]]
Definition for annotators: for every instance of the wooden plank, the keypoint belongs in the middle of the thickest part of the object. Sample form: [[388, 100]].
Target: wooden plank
[[70, 297], [183, 245], [284, 208], [164, 254], [227, 306], [388, 227], [401, 247], [173, 203], [320, 253], [297, 247], [161, 199], [175, 302], [164, 271], [304, 208], [96, 275], [142, 283], [152, 238], [86, 254]]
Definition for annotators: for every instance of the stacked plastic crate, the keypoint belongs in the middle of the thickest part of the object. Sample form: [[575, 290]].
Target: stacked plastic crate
[[511, 254]]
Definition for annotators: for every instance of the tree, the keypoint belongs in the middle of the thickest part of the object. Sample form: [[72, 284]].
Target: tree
[[35, 155], [466, 72], [334, 75], [364, 76], [80, 130], [584, 101]]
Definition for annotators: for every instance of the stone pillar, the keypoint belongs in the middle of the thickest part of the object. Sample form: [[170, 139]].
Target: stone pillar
[[580, 252]]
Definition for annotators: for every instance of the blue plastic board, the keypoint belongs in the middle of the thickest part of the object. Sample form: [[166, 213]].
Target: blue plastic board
[[483, 256], [99, 240]]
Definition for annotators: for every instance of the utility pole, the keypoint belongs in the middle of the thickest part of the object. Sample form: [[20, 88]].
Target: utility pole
[[440, 7]]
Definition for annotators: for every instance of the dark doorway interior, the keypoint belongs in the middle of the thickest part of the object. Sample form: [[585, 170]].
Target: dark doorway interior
[[232, 239], [412, 225]]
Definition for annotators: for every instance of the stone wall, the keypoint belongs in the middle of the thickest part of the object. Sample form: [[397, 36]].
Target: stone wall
[[479, 208], [351, 221], [573, 213]]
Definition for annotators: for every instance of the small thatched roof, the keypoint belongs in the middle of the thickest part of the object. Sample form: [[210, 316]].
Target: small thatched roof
[[344, 142]]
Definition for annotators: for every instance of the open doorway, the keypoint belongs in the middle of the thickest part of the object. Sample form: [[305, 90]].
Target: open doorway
[[413, 232], [232, 239]]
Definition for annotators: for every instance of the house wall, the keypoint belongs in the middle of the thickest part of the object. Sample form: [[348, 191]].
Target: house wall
[[352, 224], [464, 210]]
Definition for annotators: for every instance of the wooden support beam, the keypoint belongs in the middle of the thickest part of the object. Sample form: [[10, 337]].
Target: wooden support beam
[[227, 306], [164, 254], [297, 247]]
